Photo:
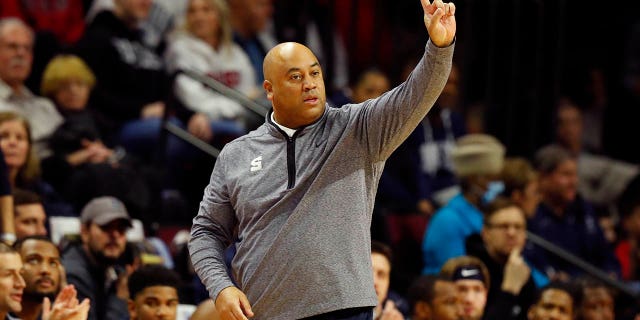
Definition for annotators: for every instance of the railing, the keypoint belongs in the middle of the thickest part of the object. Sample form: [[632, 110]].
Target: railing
[[219, 87], [580, 263]]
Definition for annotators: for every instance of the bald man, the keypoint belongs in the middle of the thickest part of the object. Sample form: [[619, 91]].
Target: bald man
[[296, 195]]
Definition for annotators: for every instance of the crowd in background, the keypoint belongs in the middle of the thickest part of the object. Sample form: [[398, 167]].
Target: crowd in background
[[86, 87]]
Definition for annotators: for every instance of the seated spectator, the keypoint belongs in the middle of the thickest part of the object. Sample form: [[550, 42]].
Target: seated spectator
[[371, 83], [521, 184], [471, 279], [82, 167], [477, 160], [598, 301], [628, 248], [566, 220], [16, 56], [513, 283], [555, 301], [249, 21], [204, 45], [437, 134], [97, 266], [11, 282], [388, 308], [30, 217], [42, 272], [600, 179], [433, 298], [23, 165], [153, 293], [128, 98]]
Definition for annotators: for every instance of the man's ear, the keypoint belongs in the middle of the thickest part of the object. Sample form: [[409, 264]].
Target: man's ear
[[132, 309], [84, 232], [484, 234], [268, 88]]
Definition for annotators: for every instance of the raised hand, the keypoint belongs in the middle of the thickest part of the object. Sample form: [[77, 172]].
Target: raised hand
[[232, 303], [440, 20], [516, 273]]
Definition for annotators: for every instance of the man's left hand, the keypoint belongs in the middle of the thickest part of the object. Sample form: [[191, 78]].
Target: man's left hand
[[440, 20]]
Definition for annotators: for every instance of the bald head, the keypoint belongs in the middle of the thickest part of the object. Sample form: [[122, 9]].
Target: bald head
[[294, 84], [279, 55]]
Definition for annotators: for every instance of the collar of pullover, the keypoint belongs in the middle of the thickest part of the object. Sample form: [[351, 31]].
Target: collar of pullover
[[278, 130]]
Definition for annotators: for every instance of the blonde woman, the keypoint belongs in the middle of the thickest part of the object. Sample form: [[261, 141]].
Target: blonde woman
[[204, 45]]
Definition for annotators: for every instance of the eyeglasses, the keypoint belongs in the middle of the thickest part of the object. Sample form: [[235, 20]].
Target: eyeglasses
[[506, 226]]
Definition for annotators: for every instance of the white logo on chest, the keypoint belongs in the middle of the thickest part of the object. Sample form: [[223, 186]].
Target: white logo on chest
[[256, 164]]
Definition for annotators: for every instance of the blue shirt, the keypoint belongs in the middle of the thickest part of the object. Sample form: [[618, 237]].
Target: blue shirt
[[446, 234]]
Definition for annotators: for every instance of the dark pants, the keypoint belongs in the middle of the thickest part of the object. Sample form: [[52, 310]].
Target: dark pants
[[364, 313]]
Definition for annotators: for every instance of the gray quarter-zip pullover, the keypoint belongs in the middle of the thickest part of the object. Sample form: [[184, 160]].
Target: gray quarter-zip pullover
[[302, 205]]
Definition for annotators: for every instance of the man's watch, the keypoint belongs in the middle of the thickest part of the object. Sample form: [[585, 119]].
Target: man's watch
[[8, 238]]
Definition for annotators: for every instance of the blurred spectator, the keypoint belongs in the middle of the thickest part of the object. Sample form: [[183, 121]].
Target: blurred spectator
[[390, 305], [600, 179], [433, 298], [64, 19], [153, 293], [438, 133], [471, 278], [477, 161], [81, 166], [555, 301], [128, 98], [521, 184], [565, 219], [371, 83], [628, 247], [597, 301], [161, 18], [98, 266], [57, 26], [42, 272], [11, 282], [16, 56], [313, 24], [204, 45], [30, 217], [23, 164], [249, 21], [513, 283]]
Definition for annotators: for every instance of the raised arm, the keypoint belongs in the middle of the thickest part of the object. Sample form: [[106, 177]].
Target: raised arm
[[387, 121]]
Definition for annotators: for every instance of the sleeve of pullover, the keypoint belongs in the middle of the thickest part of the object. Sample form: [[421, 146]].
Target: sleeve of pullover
[[212, 232], [388, 120]]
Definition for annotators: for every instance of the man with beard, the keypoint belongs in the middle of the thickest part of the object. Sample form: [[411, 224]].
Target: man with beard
[[42, 273], [96, 266]]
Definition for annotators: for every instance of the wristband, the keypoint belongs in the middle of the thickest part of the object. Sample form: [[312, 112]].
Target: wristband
[[9, 238]]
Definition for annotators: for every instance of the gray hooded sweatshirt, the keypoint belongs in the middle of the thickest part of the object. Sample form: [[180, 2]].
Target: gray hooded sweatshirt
[[299, 208]]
